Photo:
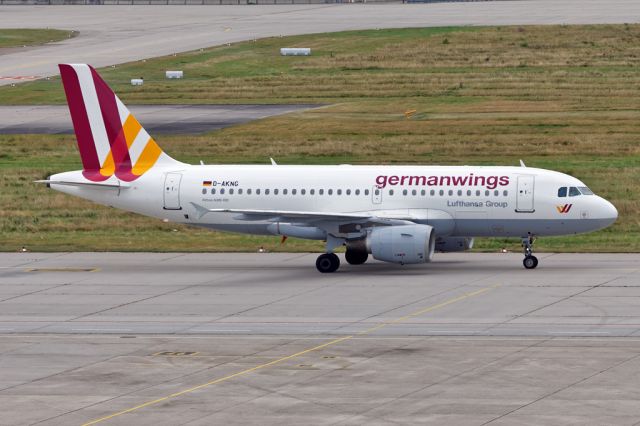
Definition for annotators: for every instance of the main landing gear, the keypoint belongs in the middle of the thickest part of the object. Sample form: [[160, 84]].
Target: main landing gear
[[356, 257], [530, 261], [328, 262]]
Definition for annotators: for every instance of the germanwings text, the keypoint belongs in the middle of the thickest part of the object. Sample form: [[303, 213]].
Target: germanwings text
[[490, 182]]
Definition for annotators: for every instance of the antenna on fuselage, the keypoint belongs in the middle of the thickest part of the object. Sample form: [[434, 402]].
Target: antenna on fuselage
[[522, 164], [273, 162]]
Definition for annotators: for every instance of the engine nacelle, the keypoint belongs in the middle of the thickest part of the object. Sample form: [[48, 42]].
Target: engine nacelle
[[451, 244], [402, 244]]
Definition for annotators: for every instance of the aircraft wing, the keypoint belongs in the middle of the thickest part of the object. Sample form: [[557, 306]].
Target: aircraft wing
[[305, 216]]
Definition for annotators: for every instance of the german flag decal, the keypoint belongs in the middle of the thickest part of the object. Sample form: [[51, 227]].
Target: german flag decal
[[206, 183]]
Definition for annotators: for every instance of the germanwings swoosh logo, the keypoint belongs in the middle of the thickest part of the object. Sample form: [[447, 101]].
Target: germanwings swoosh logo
[[564, 208], [110, 139]]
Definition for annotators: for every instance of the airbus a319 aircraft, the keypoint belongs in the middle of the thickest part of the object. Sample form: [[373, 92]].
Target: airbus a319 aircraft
[[398, 214]]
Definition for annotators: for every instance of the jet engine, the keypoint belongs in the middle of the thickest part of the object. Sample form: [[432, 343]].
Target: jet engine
[[402, 244], [450, 244]]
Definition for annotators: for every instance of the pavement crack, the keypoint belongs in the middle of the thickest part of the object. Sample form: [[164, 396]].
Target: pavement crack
[[555, 392]]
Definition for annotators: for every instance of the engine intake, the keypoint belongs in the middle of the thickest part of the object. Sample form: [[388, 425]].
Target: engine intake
[[402, 244]]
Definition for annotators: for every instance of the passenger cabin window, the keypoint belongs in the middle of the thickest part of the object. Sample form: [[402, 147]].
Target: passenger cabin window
[[573, 192], [562, 192]]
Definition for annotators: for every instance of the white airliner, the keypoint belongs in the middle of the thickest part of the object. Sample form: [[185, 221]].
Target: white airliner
[[398, 214]]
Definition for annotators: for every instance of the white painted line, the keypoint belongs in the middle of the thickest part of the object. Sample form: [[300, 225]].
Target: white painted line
[[101, 329], [216, 330], [579, 332]]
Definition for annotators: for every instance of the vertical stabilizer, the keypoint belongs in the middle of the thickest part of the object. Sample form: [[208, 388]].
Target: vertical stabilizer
[[110, 139]]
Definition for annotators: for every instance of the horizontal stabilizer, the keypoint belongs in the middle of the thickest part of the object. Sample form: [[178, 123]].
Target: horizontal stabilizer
[[91, 184]]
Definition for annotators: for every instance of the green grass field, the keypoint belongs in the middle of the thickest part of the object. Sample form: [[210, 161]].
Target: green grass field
[[22, 37], [560, 97]]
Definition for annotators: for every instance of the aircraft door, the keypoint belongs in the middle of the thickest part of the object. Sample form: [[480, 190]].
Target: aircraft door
[[172, 191], [524, 200], [376, 195]]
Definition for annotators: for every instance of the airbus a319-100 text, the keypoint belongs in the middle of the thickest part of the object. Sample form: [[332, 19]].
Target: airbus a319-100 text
[[398, 214]]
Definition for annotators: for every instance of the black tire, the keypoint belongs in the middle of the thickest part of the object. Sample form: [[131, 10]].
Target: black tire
[[328, 262], [355, 257], [530, 262]]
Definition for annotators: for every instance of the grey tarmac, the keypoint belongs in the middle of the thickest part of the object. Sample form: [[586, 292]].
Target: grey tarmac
[[117, 34], [156, 119], [200, 339]]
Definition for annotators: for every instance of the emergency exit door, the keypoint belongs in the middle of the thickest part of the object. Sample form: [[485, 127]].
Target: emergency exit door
[[172, 191], [524, 200]]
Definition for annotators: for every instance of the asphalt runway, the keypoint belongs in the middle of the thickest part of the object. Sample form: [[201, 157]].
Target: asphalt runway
[[167, 119], [117, 34], [200, 339]]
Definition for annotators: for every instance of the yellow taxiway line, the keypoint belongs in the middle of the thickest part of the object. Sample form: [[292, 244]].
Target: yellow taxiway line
[[295, 355]]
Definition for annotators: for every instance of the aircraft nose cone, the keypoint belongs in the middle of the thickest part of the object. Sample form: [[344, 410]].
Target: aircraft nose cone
[[609, 211]]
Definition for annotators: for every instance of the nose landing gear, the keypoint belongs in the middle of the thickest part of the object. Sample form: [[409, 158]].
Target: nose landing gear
[[530, 261]]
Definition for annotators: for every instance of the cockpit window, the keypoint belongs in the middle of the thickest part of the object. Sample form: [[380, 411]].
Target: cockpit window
[[585, 190], [573, 192], [562, 192]]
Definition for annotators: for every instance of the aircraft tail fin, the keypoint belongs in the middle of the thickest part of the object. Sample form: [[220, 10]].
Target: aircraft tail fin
[[110, 139]]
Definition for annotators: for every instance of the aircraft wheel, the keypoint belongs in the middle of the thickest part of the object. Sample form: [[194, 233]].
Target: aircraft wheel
[[328, 262], [355, 257], [530, 262]]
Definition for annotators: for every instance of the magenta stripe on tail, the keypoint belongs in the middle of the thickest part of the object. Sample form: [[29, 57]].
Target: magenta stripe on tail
[[113, 125], [84, 137]]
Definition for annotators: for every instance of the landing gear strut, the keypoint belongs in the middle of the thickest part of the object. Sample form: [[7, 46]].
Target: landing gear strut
[[530, 261], [328, 262]]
